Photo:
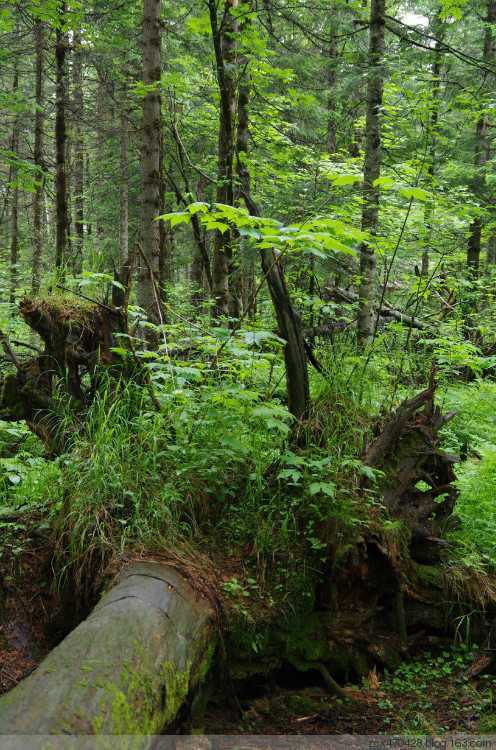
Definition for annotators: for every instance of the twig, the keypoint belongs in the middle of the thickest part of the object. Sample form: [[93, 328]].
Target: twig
[[88, 299], [7, 347]]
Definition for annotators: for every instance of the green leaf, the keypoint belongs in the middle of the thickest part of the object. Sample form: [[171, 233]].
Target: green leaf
[[347, 179], [324, 488], [384, 182], [175, 218], [198, 207], [415, 193]]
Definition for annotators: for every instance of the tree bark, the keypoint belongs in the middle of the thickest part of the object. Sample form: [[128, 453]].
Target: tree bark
[[123, 187], [166, 235], [127, 669], [372, 171], [14, 174], [60, 142], [99, 175], [439, 30], [148, 274], [482, 148], [78, 99], [39, 118], [224, 39], [332, 77], [289, 325]]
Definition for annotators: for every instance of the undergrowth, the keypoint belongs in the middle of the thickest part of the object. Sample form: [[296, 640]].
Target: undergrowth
[[472, 434]]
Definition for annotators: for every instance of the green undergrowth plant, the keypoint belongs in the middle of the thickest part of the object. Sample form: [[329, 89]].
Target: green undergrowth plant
[[472, 433], [137, 475], [206, 454]]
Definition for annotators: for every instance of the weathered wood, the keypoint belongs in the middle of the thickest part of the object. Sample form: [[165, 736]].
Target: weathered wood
[[407, 451], [386, 311], [127, 669]]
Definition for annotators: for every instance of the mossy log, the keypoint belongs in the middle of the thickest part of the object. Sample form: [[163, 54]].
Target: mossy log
[[127, 669]]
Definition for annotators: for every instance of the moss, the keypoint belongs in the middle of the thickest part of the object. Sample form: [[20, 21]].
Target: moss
[[430, 575], [306, 639], [303, 703], [144, 706]]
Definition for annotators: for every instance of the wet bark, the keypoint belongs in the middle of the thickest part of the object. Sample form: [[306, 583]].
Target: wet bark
[[372, 171]]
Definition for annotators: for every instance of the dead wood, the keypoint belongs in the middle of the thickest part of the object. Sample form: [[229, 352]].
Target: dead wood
[[386, 311], [418, 476]]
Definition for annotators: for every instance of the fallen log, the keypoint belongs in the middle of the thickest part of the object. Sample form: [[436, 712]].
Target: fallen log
[[127, 669], [386, 311]]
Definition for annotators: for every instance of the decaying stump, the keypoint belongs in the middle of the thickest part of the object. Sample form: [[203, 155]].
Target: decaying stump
[[127, 669], [418, 476], [78, 336]]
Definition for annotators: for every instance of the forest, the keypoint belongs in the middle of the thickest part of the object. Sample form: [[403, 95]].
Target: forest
[[247, 371]]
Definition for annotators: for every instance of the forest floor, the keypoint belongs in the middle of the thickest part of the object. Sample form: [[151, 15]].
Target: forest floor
[[430, 695], [27, 607], [451, 691]]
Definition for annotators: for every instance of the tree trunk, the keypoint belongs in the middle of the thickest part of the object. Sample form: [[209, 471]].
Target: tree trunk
[[14, 209], [78, 155], [482, 148], [224, 39], [332, 77], [166, 236], [289, 324], [127, 669], [372, 171], [124, 188], [60, 142], [433, 138], [491, 251], [150, 229], [39, 118], [99, 163]]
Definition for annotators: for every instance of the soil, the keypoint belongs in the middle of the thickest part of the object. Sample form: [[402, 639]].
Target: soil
[[431, 695], [27, 607]]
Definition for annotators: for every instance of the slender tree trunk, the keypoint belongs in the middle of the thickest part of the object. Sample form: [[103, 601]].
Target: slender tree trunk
[[242, 146], [166, 235], [78, 196], [14, 209], [332, 78], [372, 170], [289, 324], [482, 147], [433, 138], [69, 171], [124, 188], [39, 39], [98, 188], [491, 251], [224, 39], [60, 142], [87, 179], [150, 230]]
